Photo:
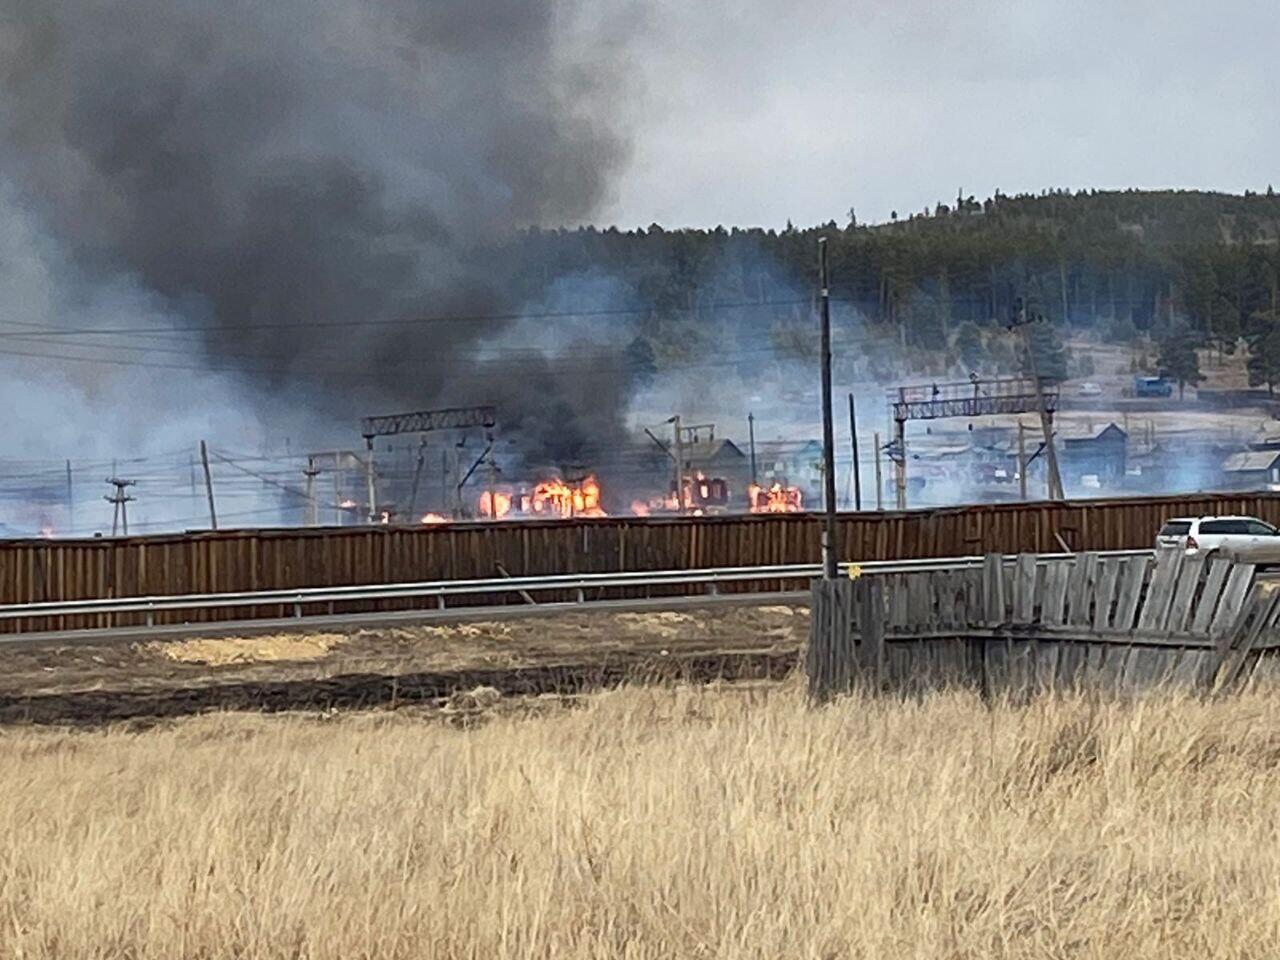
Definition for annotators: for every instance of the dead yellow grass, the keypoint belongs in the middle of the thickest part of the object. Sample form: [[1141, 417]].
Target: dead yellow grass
[[219, 651], [654, 823]]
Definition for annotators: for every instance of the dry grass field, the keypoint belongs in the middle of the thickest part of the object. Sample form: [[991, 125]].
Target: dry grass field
[[724, 822]]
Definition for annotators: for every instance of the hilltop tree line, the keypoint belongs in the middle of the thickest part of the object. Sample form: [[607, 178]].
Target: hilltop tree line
[[1190, 271]]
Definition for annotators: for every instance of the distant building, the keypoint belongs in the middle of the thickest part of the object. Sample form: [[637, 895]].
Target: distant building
[[720, 459], [1102, 455], [793, 463], [1252, 470]]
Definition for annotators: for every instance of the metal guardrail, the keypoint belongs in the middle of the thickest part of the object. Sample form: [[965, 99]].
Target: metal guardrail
[[439, 590]]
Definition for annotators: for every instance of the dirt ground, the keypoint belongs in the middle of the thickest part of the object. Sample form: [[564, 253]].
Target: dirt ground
[[102, 682]]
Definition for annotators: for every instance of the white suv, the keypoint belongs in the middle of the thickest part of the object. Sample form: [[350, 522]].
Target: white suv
[[1235, 538]]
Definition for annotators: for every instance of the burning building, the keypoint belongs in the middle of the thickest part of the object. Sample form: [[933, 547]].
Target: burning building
[[547, 499]]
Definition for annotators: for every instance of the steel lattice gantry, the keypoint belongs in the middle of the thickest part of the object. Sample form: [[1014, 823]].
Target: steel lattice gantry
[[974, 398], [422, 421]]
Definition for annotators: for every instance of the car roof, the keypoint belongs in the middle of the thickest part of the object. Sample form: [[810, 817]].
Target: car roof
[[1224, 516]]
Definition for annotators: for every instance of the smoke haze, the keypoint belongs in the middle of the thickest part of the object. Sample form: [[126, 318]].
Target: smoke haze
[[266, 174]]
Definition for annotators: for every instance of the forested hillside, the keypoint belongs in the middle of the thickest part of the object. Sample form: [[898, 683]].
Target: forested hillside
[[1187, 269]]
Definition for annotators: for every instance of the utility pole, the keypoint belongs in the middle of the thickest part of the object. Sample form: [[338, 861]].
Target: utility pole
[[417, 476], [879, 476], [857, 471], [71, 501], [445, 505], [1021, 320], [208, 485], [121, 499], [830, 533], [370, 491], [899, 457], [751, 434], [492, 476], [679, 472], [1022, 460], [313, 508]]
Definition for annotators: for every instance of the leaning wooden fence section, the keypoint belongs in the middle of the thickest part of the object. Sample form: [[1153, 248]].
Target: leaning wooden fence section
[[1037, 625]]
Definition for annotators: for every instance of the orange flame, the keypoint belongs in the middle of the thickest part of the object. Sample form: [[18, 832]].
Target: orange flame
[[434, 518], [553, 498], [776, 499], [640, 509], [558, 497], [501, 501]]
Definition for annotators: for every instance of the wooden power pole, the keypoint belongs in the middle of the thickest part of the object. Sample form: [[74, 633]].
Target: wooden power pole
[[1022, 320], [879, 475], [857, 471], [830, 531], [1022, 460], [679, 471], [208, 485], [313, 508]]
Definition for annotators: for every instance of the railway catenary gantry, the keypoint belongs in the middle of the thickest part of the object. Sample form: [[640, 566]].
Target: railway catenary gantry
[[976, 397], [422, 421]]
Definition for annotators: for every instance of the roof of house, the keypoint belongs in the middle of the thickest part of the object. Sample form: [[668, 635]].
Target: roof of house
[[710, 451], [1250, 461], [1076, 434], [785, 448]]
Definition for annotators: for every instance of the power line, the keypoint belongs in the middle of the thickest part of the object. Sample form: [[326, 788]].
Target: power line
[[555, 364], [403, 321], [274, 483]]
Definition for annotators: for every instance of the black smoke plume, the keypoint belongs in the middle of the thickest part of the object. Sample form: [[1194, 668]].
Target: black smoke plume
[[274, 171]]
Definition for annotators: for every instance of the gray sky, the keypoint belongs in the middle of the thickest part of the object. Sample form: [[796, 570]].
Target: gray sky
[[754, 112]]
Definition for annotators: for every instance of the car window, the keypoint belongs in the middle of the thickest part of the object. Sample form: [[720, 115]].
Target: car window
[[1259, 529], [1222, 527], [1175, 528]]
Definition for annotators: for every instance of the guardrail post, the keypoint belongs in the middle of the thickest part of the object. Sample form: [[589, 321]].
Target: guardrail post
[[151, 616], [439, 601], [582, 595], [297, 608]]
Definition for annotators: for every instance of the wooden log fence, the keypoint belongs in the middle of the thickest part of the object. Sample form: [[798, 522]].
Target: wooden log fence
[[33, 571], [1087, 622]]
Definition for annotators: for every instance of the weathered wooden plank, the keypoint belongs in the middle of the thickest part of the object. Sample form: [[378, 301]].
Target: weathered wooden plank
[[1232, 603], [1182, 601], [995, 668], [1155, 608], [899, 603], [871, 617], [944, 587], [1046, 660], [1104, 594], [1191, 669], [1071, 664], [1022, 679], [818, 652], [1132, 638], [919, 602], [1210, 594], [1134, 578], [993, 589], [1236, 649], [1082, 590], [1025, 599], [1054, 608], [1146, 667], [1102, 667]]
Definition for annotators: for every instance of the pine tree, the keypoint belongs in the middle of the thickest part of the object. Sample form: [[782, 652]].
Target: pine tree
[[1050, 353], [1264, 360], [1179, 360]]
